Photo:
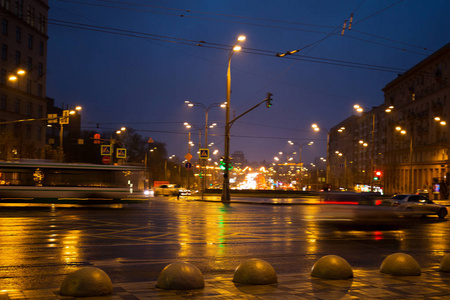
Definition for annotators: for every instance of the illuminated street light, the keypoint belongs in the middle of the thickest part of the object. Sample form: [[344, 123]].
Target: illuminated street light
[[122, 129], [361, 110], [441, 122], [389, 109], [206, 109], [14, 77], [403, 132], [226, 177]]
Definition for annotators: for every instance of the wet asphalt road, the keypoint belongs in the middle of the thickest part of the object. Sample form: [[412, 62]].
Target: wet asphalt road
[[40, 245]]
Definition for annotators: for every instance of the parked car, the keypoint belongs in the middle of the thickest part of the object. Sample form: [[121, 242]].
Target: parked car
[[413, 205], [166, 190]]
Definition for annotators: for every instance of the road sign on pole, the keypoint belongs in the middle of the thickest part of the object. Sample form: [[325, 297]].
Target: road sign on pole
[[188, 156], [105, 149], [121, 153], [204, 153], [188, 166], [106, 159]]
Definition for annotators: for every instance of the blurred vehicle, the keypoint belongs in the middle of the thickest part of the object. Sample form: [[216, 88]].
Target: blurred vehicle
[[149, 193], [422, 192], [166, 190], [413, 205], [354, 206], [185, 192], [42, 181]]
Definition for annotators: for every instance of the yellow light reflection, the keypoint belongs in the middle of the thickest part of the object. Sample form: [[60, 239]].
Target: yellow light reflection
[[70, 250]]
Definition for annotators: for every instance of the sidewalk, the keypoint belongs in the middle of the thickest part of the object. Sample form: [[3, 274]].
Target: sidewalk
[[366, 284]]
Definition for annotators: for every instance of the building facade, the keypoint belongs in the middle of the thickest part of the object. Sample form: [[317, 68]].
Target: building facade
[[405, 139], [23, 64], [418, 158]]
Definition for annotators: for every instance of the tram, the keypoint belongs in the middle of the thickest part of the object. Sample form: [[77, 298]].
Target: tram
[[41, 181]]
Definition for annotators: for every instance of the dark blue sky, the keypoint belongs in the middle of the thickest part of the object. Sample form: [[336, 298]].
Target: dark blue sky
[[124, 80]]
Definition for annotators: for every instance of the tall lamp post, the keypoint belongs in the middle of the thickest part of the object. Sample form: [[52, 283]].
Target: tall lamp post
[[372, 169], [403, 132], [300, 148], [226, 177], [206, 109]]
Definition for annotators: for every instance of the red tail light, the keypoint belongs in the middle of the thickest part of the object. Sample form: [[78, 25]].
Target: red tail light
[[395, 204]]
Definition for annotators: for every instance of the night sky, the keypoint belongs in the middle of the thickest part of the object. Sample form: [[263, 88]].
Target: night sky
[[134, 63]]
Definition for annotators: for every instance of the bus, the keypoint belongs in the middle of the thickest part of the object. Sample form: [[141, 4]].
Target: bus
[[41, 181]]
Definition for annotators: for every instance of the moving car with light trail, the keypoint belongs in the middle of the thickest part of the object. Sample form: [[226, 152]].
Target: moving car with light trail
[[166, 190]]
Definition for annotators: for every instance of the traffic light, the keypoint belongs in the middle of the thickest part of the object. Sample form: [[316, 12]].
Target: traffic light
[[222, 165], [377, 175], [269, 100]]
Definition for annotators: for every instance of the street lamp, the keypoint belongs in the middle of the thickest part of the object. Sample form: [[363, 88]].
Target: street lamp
[[226, 177], [15, 77], [316, 128], [340, 154], [206, 109], [361, 110], [300, 149], [403, 132]]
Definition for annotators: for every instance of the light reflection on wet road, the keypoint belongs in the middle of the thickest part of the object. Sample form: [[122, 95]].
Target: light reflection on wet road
[[41, 244]]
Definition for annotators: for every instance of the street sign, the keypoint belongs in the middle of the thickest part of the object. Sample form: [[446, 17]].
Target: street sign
[[52, 118], [65, 117], [121, 152], [203, 154], [188, 156], [105, 149], [188, 166], [106, 159]]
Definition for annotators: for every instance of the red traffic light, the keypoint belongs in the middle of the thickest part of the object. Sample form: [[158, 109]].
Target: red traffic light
[[378, 173]]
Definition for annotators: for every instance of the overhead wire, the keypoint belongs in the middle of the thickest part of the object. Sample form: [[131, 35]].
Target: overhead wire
[[183, 41], [256, 51], [241, 17]]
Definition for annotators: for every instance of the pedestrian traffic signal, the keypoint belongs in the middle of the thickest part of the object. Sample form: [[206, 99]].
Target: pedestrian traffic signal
[[269, 100]]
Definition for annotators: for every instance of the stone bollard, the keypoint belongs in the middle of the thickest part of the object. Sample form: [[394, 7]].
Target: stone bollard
[[86, 282], [400, 264], [180, 276], [445, 264], [255, 271], [332, 267]]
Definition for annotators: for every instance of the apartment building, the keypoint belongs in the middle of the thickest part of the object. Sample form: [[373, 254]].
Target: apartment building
[[23, 63], [406, 138], [417, 142]]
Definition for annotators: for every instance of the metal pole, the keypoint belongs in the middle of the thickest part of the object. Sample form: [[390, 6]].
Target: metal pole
[[226, 173], [145, 172], [300, 156], [205, 169], [373, 150], [61, 134], [165, 169], [189, 151], [410, 162]]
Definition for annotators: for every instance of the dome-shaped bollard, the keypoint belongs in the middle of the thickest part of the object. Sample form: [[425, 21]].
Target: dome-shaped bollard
[[86, 282], [180, 276], [255, 271], [332, 267], [445, 263], [400, 264]]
